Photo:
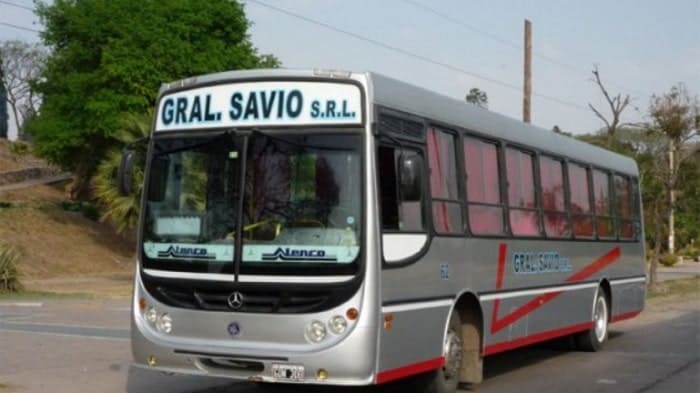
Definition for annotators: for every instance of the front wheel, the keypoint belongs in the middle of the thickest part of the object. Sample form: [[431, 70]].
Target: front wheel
[[446, 379], [592, 339]]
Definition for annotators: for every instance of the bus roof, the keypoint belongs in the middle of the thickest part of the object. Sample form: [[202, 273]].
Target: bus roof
[[409, 98], [405, 97]]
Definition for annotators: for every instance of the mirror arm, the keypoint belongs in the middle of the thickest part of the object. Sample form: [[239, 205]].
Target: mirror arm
[[132, 144]]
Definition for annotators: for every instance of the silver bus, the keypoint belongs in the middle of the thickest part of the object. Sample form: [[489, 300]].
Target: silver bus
[[341, 228]]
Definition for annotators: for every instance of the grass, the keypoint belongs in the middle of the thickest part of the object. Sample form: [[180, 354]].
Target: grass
[[673, 289]]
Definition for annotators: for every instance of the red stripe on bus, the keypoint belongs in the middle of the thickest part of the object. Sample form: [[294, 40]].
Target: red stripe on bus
[[596, 266], [539, 301], [623, 316], [535, 338], [411, 369]]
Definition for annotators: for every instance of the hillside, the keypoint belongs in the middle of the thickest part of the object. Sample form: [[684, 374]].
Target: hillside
[[60, 250], [10, 161]]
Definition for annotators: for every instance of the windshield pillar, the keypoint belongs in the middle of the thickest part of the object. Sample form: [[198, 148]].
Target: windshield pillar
[[238, 252]]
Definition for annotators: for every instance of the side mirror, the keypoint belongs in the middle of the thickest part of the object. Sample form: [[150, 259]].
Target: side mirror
[[410, 177], [158, 179], [125, 173]]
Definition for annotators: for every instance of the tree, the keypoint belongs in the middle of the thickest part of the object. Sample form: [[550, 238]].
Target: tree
[[617, 105], [122, 210], [3, 109], [687, 208], [669, 166], [110, 57], [676, 118], [21, 65], [648, 148], [478, 97]]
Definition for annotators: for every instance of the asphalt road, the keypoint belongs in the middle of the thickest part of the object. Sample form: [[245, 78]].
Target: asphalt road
[[82, 346], [685, 269]]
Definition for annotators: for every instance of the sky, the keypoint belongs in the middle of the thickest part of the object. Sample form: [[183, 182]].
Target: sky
[[641, 47]]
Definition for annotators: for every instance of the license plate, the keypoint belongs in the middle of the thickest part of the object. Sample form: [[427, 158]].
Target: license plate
[[289, 372]]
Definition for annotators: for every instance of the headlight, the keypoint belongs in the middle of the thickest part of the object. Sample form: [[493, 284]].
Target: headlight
[[337, 324], [315, 331], [165, 323], [150, 315]]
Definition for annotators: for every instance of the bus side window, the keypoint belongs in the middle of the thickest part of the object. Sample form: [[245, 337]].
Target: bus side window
[[524, 220], [636, 210], [447, 207], [484, 196], [397, 215], [556, 218], [605, 226], [623, 207], [581, 212]]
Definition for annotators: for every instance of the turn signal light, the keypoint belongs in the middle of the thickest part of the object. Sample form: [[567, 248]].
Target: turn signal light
[[352, 313], [388, 320]]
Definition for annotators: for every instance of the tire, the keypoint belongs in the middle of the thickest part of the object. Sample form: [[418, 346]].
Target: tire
[[446, 378], [592, 340]]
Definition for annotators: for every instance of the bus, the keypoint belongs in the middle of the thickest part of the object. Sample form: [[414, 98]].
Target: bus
[[345, 228]]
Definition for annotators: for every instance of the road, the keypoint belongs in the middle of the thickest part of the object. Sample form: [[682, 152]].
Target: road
[[685, 269], [82, 346]]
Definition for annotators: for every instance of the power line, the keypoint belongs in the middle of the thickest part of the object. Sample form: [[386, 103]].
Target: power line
[[20, 27], [504, 42], [17, 5], [413, 55]]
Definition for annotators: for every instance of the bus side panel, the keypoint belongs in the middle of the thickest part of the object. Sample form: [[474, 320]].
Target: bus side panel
[[627, 299], [629, 289], [411, 342], [534, 303], [515, 322]]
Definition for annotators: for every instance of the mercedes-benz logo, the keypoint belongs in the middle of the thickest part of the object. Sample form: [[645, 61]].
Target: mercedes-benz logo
[[235, 300], [234, 329]]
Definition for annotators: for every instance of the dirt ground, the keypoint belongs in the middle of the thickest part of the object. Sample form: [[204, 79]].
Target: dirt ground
[[62, 245], [11, 162]]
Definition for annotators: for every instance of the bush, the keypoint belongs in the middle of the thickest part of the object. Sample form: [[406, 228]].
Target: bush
[[90, 211], [693, 253], [668, 260], [87, 209], [20, 148], [9, 272], [5, 204], [71, 206]]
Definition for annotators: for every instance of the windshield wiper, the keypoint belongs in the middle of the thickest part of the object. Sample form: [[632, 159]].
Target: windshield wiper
[[300, 146], [204, 142]]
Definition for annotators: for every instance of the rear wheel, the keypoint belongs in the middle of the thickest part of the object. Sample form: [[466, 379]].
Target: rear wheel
[[592, 339]]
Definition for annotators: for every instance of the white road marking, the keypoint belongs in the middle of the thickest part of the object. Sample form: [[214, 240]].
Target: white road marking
[[22, 304]]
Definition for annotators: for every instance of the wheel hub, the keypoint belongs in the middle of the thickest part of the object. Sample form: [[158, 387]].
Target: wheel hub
[[453, 354], [600, 319]]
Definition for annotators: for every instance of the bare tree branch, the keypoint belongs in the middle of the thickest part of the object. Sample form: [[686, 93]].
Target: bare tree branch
[[617, 105], [21, 64], [600, 116]]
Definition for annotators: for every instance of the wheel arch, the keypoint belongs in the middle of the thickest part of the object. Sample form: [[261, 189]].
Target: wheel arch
[[607, 290], [467, 304]]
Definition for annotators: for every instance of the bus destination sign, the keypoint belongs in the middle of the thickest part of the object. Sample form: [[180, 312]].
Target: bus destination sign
[[254, 104]]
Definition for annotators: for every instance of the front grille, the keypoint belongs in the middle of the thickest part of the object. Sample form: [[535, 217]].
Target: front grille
[[290, 300]]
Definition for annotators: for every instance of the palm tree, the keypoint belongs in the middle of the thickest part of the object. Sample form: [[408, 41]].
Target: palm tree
[[477, 97], [122, 210]]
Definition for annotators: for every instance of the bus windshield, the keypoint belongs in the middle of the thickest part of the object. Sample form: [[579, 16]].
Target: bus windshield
[[300, 208]]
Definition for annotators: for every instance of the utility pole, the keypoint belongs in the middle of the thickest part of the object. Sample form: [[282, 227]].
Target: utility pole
[[527, 85], [672, 197]]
